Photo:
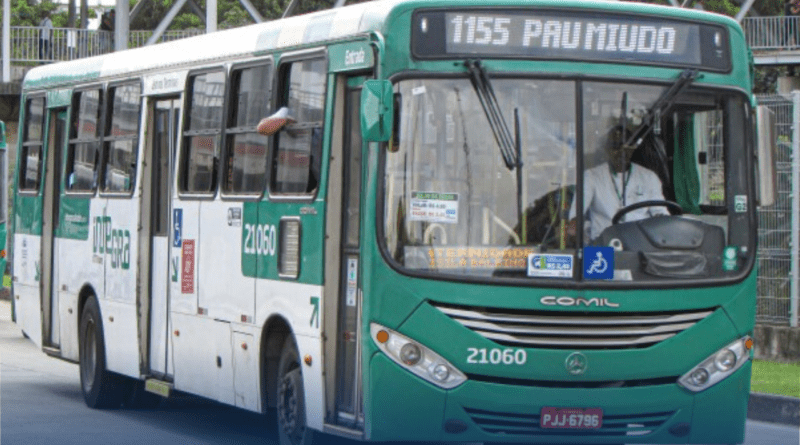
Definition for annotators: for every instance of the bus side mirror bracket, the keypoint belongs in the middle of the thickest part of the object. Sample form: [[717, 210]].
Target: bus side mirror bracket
[[377, 110], [766, 155]]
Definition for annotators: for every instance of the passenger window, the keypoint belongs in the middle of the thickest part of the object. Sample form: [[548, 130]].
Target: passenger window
[[201, 136], [30, 166], [84, 145], [245, 149], [121, 139], [296, 162]]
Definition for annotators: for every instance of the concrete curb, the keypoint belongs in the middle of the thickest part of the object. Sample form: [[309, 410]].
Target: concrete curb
[[773, 408]]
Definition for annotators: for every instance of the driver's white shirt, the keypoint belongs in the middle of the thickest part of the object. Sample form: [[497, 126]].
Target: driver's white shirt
[[602, 196]]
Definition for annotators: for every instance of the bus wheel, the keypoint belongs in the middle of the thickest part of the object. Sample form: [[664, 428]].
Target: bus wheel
[[101, 388], [291, 403]]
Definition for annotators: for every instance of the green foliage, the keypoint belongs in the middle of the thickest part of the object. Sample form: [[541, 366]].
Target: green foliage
[[25, 14], [769, 7], [776, 378], [725, 7], [230, 13], [765, 81]]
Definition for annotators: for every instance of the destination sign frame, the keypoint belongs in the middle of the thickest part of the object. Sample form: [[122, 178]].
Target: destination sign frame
[[580, 35]]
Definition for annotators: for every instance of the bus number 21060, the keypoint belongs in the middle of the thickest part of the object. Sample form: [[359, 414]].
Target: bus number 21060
[[496, 356], [259, 239]]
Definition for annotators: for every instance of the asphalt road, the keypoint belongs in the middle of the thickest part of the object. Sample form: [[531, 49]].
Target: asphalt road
[[41, 403]]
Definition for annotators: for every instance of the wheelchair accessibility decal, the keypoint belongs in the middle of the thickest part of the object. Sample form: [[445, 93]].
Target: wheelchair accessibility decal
[[598, 263]]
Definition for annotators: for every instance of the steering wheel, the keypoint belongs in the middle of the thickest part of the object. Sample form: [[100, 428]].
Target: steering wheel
[[672, 206]]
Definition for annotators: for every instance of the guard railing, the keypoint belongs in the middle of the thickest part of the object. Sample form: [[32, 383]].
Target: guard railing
[[31, 44], [772, 33]]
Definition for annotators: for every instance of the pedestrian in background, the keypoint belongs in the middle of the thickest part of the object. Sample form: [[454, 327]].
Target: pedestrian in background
[[107, 24], [45, 30], [790, 11]]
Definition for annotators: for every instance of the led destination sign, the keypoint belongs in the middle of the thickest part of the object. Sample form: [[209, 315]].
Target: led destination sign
[[569, 35]]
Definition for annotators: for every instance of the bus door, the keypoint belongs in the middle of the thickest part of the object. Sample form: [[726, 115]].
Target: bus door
[[56, 136], [154, 241], [348, 352]]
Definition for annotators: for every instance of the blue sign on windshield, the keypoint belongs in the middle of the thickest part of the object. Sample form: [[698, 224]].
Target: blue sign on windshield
[[598, 263]]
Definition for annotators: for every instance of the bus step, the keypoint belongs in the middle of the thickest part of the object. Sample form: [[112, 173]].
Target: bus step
[[51, 351], [158, 387]]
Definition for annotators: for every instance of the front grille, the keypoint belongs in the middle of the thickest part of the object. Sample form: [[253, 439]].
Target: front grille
[[517, 424], [563, 330], [633, 383]]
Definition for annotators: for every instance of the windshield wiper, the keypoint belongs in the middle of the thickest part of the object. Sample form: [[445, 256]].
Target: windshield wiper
[[502, 134], [652, 120]]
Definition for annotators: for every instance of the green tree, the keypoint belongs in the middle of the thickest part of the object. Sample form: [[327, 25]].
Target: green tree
[[26, 14], [230, 13]]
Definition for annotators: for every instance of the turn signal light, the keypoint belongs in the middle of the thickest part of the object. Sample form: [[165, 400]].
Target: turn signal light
[[382, 336]]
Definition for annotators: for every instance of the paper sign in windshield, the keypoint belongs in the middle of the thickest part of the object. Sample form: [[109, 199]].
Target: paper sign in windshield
[[434, 207], [550, 265]]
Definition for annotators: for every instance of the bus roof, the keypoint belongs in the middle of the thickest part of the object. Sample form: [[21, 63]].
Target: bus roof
[[297, 31]]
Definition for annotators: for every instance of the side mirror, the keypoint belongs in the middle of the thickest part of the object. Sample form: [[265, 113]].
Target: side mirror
[[275, 123], [377, 110], [765, 156]]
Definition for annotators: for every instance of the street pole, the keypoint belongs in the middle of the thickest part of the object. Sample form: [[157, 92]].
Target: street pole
[[6, 41]]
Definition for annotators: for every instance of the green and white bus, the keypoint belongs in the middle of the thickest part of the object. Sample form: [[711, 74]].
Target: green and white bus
[[367, 218], [3, 198]]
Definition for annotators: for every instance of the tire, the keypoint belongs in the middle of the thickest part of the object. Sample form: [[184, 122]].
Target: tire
[[291, 409], [100, 387]]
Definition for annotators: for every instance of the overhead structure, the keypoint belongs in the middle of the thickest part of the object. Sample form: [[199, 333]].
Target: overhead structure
[[209, 17]]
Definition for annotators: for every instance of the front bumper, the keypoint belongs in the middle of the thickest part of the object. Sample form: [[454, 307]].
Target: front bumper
[[402, 406]]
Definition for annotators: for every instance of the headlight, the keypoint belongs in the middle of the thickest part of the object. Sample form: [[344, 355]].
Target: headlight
[[718, 366], [416, 358], [725, 360]]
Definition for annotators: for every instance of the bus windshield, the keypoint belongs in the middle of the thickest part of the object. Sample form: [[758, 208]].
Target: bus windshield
[[665, 206]]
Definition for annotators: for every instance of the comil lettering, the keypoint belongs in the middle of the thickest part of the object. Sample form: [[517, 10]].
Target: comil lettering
[[569, 301], [611, 37]]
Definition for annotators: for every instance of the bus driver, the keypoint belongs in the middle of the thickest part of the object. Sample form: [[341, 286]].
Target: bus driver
[[610, 186]]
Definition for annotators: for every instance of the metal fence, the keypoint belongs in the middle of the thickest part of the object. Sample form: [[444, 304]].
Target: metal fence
[[778, 253], [776, 33], [30, 44], [139, 38]]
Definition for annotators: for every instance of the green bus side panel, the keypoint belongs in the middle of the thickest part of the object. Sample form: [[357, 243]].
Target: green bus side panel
[[260, 219], [28, 215], [59, 98], [74, 218], [4, 189], [350, 56], [3, 243], [249, 216], [406, 407], [720, 412], [741, 308], [91, 71]]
